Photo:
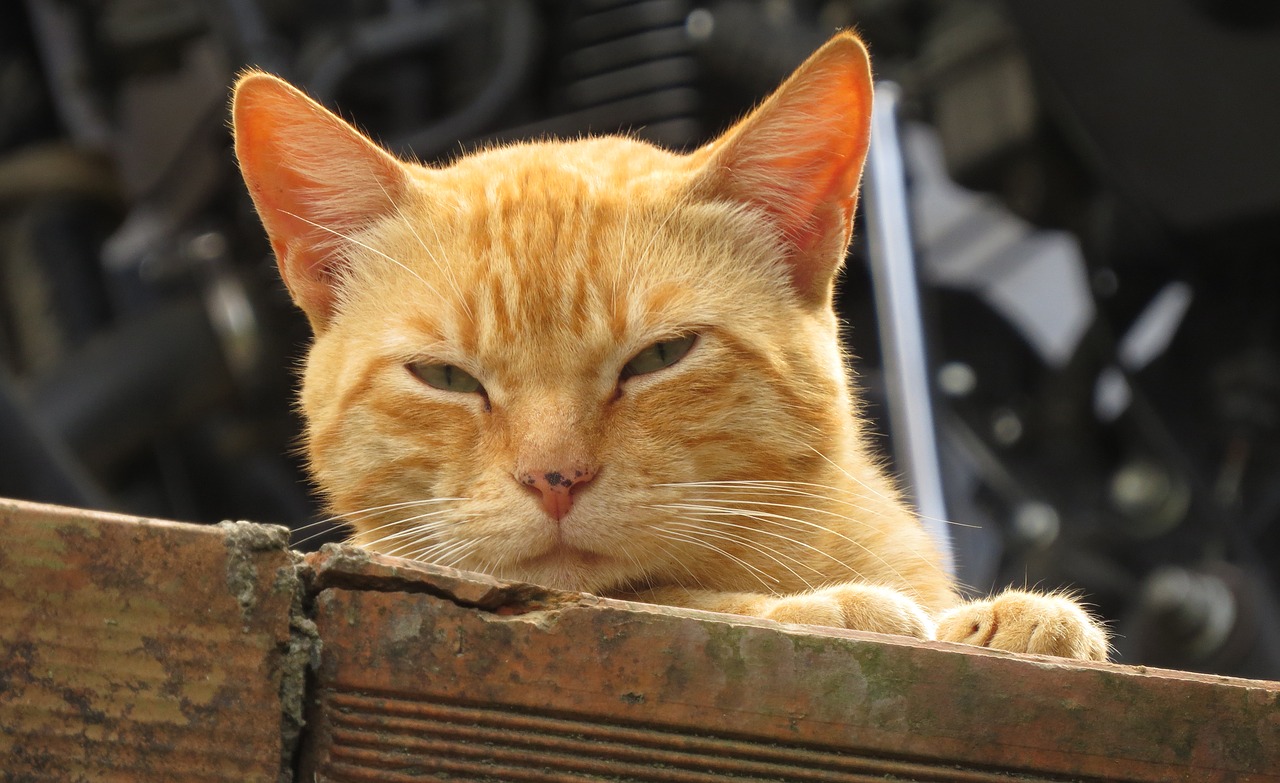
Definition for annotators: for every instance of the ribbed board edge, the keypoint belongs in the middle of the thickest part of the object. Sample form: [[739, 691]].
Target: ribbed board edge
[[392, 739]]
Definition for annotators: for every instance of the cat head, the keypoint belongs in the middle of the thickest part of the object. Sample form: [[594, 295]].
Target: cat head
[[531, 362]]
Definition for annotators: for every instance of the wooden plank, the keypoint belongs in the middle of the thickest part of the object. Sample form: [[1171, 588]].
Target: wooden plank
[[139, 650], [428, 673]]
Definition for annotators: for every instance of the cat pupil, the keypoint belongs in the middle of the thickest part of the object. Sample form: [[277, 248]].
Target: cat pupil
[[658, 356], [446, 377]]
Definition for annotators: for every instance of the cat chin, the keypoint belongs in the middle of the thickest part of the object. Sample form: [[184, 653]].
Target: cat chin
[[567, 568]]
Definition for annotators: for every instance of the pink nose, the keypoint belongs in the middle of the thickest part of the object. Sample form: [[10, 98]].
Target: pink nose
[[556, 488]]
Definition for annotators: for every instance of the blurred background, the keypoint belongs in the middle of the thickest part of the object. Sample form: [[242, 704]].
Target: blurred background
[[1094, 193]]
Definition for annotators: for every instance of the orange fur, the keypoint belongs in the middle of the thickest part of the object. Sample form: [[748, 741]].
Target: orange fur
[[736, 479]]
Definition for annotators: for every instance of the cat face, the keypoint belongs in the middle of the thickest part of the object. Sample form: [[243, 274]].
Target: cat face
[[535, 361], [545, 286]]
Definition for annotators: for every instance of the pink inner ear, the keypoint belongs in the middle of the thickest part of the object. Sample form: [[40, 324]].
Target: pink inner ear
[[313, 179], [799, 156], [817, 201]]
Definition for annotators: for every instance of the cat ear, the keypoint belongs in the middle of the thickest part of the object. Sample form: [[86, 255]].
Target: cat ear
[[314, 179], [798, 157]]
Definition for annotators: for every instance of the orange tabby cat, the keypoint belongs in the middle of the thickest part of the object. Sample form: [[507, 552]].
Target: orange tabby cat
[[601, 366]]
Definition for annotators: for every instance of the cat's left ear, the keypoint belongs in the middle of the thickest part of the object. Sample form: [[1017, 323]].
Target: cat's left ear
[[798, 157], [315, 181]]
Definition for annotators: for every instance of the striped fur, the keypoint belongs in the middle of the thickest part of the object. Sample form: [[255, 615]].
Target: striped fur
[[737, 479]]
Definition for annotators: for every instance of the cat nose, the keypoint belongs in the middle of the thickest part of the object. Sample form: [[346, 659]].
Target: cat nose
[[556, 488]]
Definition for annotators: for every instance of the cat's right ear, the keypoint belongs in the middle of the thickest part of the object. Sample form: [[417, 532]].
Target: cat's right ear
[[314, 179]]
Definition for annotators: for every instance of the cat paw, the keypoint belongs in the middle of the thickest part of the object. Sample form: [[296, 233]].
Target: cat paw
[[855, 606], [1018, 621]]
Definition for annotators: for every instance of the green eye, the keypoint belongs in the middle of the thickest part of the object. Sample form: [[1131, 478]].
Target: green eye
[[446, 377], [659, 355]]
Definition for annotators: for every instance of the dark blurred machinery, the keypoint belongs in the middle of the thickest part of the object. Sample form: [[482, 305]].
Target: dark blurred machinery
[[1095, 202]]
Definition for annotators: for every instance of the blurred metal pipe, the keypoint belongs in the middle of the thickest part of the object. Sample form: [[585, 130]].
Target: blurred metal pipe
[[516, 25], [34, 464], [740, 45], [60, 40], [899, 318], [133, 384], [383, 38]]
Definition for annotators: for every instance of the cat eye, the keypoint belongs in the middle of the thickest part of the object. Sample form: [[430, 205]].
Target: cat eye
[[658, 356], [446, 377]]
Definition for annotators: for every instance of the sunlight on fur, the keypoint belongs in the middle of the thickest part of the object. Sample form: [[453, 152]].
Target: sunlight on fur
[[600, 366]]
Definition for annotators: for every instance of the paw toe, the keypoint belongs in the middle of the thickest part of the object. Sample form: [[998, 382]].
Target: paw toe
[[857, 607], [973, 624], [1026, 622], [807, 609], [881, 610]]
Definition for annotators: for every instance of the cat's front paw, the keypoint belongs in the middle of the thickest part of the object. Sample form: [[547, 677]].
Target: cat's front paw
[[856, 606], [1019, 621]]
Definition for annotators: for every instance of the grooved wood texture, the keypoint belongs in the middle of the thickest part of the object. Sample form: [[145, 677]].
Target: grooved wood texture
[[376, 738], [136, 650], [540, 687]]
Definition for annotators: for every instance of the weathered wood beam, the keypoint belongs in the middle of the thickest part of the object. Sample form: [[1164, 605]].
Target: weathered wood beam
[[139, 650]]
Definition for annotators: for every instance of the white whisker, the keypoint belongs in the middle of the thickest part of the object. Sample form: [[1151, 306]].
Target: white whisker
[[452, 560], [775, 518], [695, 528], [361, 514], [761, 531], [694, 581], [786, 487], [415, 531], [868, 487], [760, 575], [358, 243]]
